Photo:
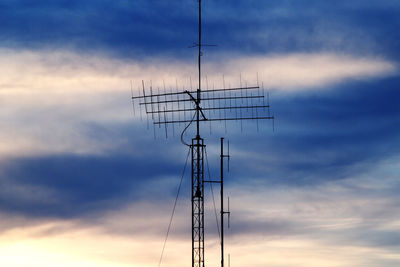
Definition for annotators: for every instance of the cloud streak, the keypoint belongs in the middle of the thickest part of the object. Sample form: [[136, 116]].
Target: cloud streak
[[358, 228], [52, 105]]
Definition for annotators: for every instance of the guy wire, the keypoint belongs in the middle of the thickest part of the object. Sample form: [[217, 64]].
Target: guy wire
[[173, 210]]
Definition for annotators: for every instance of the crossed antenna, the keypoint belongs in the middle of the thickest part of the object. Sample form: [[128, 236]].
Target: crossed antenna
[[166, 109]]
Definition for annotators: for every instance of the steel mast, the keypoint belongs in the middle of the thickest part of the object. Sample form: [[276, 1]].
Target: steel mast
[[197, 148]]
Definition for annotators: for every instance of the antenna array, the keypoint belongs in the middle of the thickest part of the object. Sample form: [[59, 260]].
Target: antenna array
[[187, 106], [170, 110]]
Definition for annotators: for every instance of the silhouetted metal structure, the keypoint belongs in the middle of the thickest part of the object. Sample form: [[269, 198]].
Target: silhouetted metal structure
[[185, 107]]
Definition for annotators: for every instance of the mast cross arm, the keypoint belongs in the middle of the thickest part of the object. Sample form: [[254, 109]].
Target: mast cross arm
[[197, 104], [212, 181]]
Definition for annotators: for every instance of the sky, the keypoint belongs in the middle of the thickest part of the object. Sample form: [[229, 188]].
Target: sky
[[83, 182]]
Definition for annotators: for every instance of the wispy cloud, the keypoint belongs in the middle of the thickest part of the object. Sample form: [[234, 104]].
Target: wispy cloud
[[352, 222], [307, 71], [54, 100]]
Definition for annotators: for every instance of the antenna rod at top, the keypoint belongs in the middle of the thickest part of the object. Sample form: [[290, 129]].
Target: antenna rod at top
[[199, 68], [199, 56]]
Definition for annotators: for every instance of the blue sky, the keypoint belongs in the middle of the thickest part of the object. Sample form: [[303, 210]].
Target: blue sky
[[78, 167]]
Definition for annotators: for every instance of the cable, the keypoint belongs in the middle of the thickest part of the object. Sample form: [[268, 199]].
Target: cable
[[173, 210], [184, 130], [212, 193]]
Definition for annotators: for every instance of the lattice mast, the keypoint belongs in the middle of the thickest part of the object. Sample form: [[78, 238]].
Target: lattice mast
[[223, 104], [198, 175]]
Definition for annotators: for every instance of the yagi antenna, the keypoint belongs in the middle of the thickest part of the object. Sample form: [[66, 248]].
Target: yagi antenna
[[155, 105]]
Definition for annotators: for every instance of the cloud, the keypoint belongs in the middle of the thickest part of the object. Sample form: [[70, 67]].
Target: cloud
[[66, 112], [325, 134], [350, 214], [314, 70], [352, 222], [135, 30], [74, 186], [93, 249], [56, 101]]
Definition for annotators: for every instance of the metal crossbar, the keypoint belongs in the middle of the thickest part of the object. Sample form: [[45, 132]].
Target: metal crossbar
[[202, 91], [217, 108], [223, 119], [203, 99]]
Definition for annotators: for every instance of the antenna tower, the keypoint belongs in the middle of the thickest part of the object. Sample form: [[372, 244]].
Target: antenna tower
[[201, 106]]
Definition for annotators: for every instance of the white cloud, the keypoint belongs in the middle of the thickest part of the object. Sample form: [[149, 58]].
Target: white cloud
[[308, 71], [52, 99]]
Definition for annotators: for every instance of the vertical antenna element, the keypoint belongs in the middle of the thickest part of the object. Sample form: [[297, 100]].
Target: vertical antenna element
[[222, 202], [229, 159], [158, 105], [229, 215], [223, 212], [133, 103], [166, 130], [145, 105], [140, 106]]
